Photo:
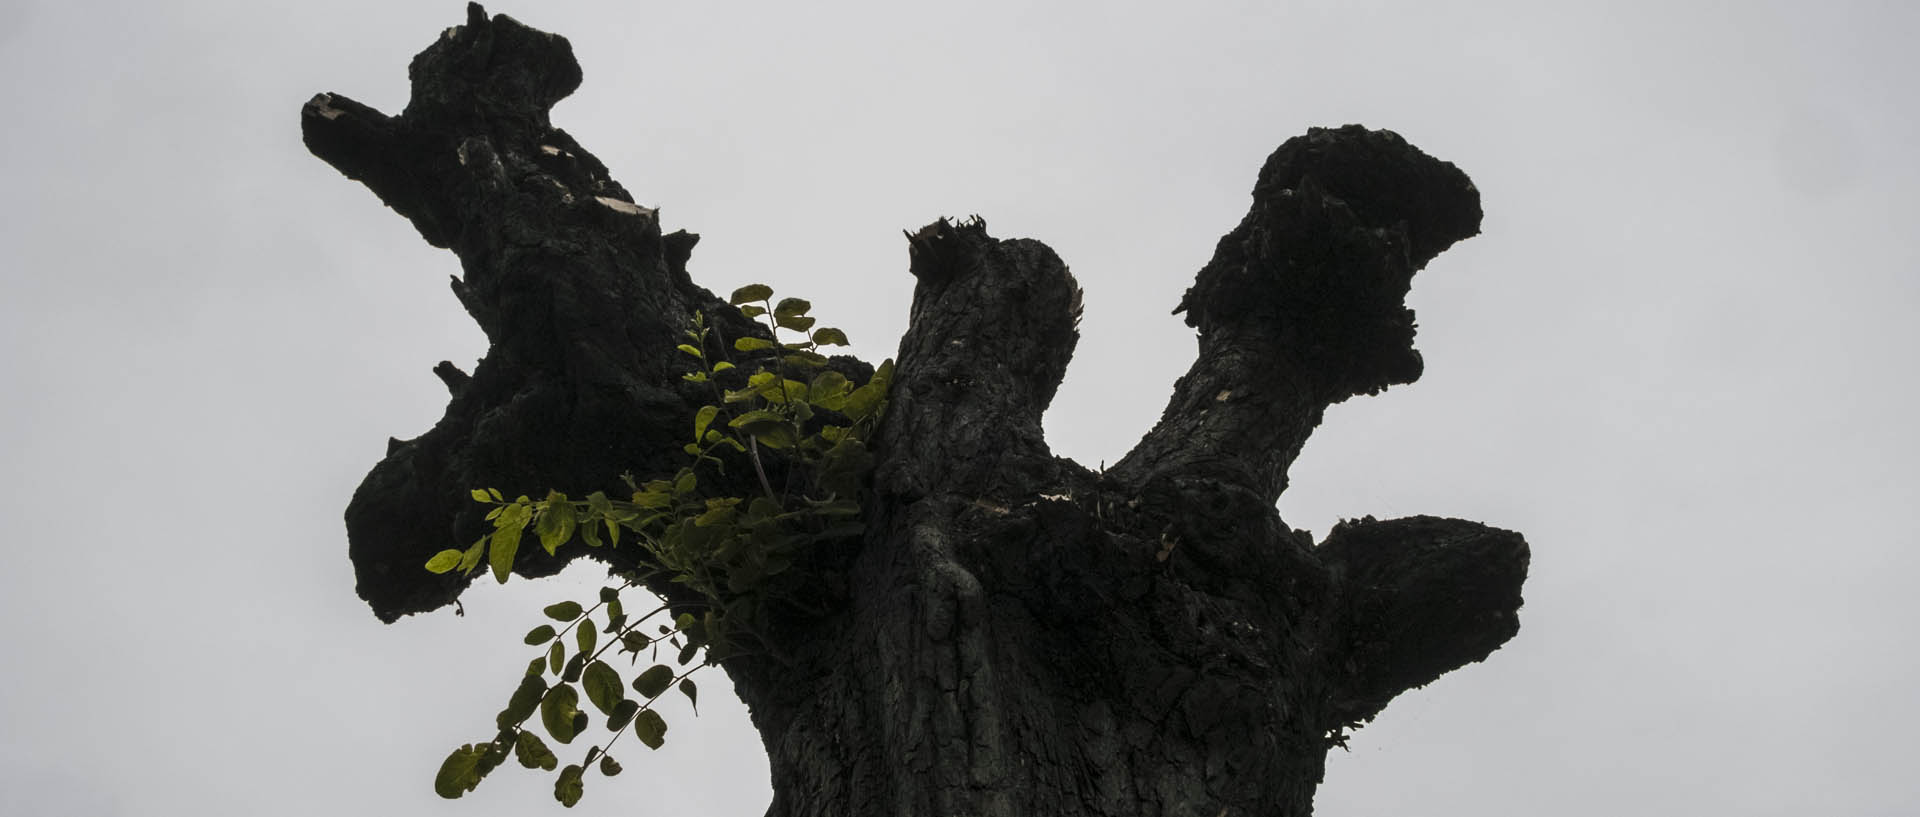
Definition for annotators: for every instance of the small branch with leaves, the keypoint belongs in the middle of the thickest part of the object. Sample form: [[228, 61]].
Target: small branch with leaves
[[729, 550]]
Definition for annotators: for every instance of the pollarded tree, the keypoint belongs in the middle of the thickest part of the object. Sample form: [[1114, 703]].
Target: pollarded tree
[[1003, 631]]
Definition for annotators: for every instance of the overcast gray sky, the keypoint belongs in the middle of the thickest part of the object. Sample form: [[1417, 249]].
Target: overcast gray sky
[[1680, 359]]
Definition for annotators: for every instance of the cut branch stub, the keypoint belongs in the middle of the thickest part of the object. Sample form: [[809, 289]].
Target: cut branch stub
[[992, 329], [1421, 597]]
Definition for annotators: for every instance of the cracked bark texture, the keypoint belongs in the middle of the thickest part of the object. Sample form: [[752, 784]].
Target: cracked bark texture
[[1013, 633]]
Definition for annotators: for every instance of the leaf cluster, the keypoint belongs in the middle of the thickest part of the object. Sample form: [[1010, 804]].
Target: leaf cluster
[[731, 551], [583, 672]]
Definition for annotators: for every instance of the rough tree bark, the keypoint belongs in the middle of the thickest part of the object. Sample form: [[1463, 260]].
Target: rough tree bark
[[1014, 634]]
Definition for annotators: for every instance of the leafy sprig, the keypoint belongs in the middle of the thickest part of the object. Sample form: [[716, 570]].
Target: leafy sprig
[[728, 550]]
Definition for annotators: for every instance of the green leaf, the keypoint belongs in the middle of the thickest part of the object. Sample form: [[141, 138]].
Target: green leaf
[[555, 525], [495, 493], [685, 482], [622, 712], [526, 698], [556, 656], [537, 666], [769, 427], [475, 552], [692, 692], [750, 293], [753, 311], [562, 611], [650, 728], [790, 306], [692, 350], [585, 635], [774, 436], [505, 543], [514, 515], [755, 417], [829, 336], [702, 419], [532, 752], [540, 635], [751, 344], [798, 323], [722, 366], [694, 377], [780, 392], [459, 773], [608, 767], [804, 359], [864, 401], [656, 494], [569, 787], [654, 681], [480, 495], [575, 665], [557, 711], [829, 390], [603, 686], [444, 561]]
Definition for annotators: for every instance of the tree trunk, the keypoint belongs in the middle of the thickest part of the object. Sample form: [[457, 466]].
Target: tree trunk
[[1013, 634]]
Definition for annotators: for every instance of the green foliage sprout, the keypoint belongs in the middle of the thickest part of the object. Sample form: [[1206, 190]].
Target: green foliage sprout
[[727, 550]]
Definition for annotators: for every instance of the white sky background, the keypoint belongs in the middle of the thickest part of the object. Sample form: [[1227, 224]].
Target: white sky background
[[1680, 359]]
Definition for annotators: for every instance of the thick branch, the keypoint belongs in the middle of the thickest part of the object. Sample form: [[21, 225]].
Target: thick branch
[[993, 326], [1302, 304], [580, 294]]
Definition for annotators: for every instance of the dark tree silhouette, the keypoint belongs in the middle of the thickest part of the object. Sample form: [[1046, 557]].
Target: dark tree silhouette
[[1013, 633]]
